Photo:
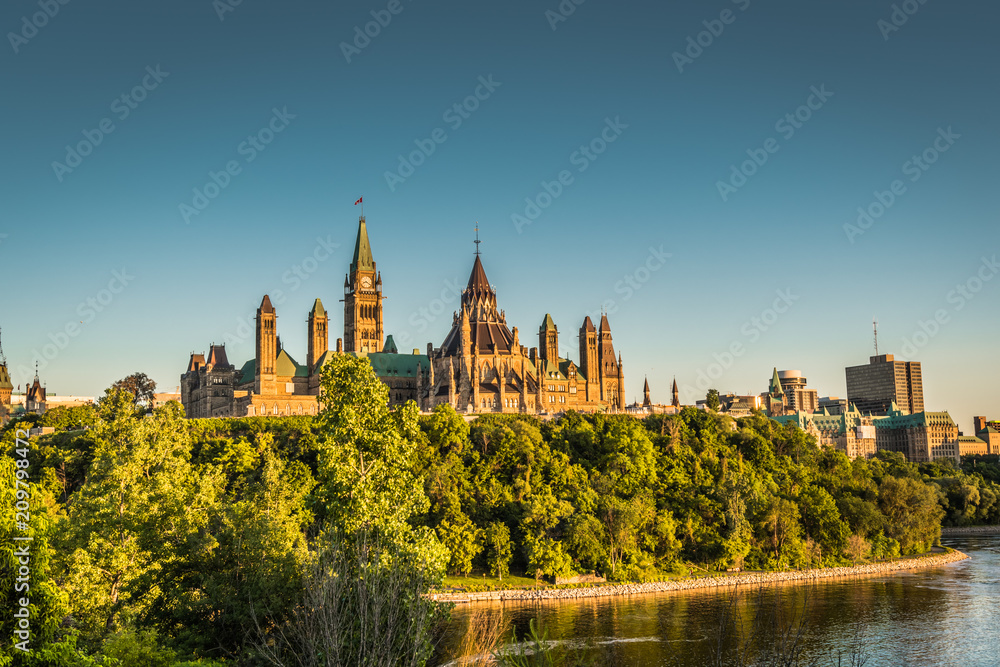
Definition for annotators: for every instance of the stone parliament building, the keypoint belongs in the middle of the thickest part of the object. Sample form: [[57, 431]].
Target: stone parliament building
[[480, 367]]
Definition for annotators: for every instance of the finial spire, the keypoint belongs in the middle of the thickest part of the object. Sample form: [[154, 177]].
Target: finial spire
[[3, 359], [477, 238]]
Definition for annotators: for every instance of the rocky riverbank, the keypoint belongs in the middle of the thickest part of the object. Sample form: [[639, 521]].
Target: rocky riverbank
[[745, 579], [970, 530]]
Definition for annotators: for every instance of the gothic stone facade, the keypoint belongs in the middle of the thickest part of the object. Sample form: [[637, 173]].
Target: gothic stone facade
[[480, 367]]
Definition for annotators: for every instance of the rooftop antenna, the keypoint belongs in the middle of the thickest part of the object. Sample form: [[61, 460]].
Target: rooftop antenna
[[3, 359], [875, 329], [477, 239]]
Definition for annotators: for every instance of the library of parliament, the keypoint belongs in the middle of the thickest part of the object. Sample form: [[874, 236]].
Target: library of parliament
[[480, 367]]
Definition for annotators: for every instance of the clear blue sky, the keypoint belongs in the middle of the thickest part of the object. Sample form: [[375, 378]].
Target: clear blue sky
[[677, 134]]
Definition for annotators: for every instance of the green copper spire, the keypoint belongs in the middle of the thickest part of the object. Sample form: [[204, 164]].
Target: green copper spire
[[776, 389], [362, 260]]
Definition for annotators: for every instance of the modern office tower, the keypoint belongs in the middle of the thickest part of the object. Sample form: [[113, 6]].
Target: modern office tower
[[874, 388], [800, 399]]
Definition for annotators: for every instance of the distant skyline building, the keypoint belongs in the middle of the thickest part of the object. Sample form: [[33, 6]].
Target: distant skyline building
[[850, 431], [885, 385], [800, 398], [833, 404], [988, 432], [920, 437]]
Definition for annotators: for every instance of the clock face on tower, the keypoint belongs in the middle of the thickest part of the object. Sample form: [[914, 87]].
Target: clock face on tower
[[366, 282]]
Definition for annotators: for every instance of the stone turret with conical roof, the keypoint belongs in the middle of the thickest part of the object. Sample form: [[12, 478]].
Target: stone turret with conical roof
[[646, 402], [363, 298], [267, 347], [548, 339], [6, 386], [675, 399], [610, 371], [589, 366], [318, 333], [775, 388]]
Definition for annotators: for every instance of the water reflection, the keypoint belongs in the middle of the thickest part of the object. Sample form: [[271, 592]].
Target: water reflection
[[938, 616]]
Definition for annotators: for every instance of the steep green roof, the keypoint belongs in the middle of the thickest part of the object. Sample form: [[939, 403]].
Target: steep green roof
[[317, 308], [776, 384], [391, 364], [285, 366], [548, 323], [390, 345], [363, 259], [248, 372], [5, 382]]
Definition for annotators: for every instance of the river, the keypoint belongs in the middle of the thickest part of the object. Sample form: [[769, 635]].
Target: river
[[948, 615]]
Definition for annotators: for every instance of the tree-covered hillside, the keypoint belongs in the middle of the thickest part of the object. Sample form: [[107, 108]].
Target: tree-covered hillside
[[157, 539]]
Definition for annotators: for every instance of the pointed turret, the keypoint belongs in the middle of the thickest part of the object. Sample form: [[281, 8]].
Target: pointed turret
[[775, 387], [675, 395], [267, 347], [362, 260], [478, 282], [646, 402], [6, 386], [318, 333], [548, 340], [363, 298]]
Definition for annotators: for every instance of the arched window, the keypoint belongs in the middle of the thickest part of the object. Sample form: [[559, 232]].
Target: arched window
[[275, 408]]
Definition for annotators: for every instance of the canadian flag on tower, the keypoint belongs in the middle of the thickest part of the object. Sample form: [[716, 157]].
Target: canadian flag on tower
[[359, 201]]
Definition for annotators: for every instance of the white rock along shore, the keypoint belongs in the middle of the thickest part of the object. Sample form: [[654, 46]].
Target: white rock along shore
[[745, 579], [970, 530]]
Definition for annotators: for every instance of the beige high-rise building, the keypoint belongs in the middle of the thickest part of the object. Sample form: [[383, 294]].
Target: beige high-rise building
[[874, 388], [800, 398]]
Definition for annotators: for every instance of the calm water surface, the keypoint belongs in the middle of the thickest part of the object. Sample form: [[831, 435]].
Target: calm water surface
[[946, 615]]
